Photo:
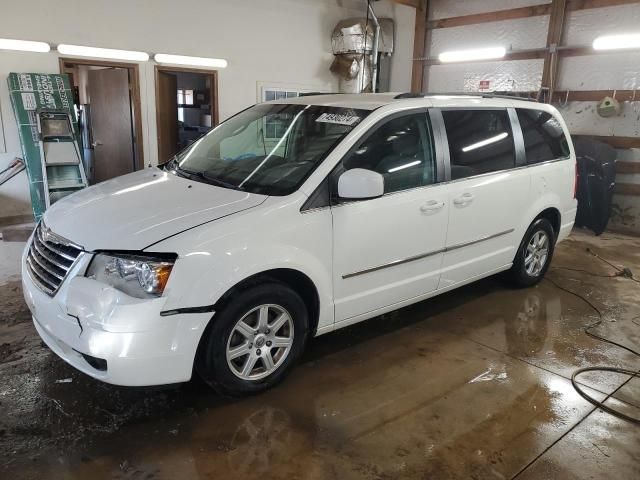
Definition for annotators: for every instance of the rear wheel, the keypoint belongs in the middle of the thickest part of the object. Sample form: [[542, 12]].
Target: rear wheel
[[254, 339], [534, 255]]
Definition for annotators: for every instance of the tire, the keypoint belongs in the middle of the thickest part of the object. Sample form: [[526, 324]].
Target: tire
[[522, 274], [237, 334]]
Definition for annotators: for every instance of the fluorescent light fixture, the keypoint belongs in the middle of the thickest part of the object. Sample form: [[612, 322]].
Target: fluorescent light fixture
[[194, 61], [406, 165], [486, 141], [24, 45], [81, 51], [615, 42], [473, 54]]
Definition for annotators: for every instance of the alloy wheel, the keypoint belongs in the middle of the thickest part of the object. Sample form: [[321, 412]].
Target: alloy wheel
[[537, 253], [260, 342]]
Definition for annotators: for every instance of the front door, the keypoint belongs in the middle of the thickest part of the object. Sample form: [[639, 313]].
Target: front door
[[487, 197], [389, 249], [111, 123]]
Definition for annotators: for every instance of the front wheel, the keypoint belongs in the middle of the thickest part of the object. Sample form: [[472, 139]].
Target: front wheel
[[534, 255], [254, 339]]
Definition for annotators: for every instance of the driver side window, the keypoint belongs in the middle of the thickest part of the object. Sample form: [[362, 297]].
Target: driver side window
[[400, 150]]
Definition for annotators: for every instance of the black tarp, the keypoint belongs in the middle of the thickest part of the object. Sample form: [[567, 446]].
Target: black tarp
[[596, 179]]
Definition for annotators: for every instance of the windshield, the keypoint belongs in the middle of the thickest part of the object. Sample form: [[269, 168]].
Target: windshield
[[268, 149]]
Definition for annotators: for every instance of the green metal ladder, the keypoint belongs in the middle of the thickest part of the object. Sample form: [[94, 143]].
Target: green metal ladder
[[62, 168]]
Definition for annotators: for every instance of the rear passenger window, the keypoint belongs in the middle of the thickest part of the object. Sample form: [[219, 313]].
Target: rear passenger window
[[400, 150], [544, 138], [480, 141]]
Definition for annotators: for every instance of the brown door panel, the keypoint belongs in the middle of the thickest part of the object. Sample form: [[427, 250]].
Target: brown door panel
[[111, 124]]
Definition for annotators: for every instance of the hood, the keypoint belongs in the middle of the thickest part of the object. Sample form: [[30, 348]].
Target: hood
[[136, 210]]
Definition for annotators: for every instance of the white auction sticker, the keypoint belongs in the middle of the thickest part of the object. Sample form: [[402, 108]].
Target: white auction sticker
[[338, 119]]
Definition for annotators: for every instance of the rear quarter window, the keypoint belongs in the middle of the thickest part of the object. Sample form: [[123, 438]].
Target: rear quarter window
[[544, 138]]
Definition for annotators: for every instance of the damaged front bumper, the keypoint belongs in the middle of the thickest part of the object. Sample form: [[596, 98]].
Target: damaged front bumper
[[112, 336]]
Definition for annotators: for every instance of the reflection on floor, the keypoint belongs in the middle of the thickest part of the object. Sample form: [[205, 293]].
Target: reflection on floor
[[472, 384]]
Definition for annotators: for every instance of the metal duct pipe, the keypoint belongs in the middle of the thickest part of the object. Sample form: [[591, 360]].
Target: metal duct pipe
[[374, 53]]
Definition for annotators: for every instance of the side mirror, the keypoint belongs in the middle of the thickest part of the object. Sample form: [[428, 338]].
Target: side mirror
[[359, 183]]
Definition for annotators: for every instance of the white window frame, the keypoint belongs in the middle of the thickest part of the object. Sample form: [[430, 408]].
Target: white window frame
[[183, 92]]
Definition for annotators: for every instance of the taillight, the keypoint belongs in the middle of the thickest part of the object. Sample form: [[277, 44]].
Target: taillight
[[575, 182]]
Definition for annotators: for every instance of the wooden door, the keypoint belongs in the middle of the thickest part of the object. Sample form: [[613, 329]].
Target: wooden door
[[111, 124], [167, 105]]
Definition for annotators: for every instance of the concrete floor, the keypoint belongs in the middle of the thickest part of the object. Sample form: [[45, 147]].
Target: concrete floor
[[472, 384]]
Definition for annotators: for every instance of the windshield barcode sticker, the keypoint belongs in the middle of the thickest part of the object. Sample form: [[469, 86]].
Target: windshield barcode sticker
[[338, 119]]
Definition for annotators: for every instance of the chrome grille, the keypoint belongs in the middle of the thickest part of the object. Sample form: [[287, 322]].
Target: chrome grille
[[50, 258]]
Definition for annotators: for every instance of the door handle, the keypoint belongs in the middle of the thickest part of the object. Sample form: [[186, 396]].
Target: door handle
[[97, 143], [431, 206], [464, 199]]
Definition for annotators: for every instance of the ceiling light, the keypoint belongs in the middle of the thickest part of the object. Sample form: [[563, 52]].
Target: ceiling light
[[613, 42], [486, 141], [24, 45], [473, 54], [80, 51], [406, 165], [194, 61]]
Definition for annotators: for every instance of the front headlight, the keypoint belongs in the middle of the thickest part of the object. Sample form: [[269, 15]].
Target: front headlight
[[136, 275]]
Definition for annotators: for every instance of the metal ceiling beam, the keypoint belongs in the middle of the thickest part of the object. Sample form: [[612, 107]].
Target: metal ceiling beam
[[562, 96], [554, 38], [419, 47]]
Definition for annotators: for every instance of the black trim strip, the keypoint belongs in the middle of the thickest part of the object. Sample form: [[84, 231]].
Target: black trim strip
[[441, 145], [178, 311], [518, 137]]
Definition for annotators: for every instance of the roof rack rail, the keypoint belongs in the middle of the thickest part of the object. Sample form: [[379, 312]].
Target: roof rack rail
[[505, 95], [433, 94], [313, 94], [410, 95], [510, 96]]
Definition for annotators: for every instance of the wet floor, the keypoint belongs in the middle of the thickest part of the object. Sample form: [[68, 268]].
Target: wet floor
[[471, 384]]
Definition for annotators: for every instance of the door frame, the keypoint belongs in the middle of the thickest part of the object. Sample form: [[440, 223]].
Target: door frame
[[134, 89], [213, 93]]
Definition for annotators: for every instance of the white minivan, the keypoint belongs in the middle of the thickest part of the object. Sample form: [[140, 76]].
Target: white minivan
[[291, 219]]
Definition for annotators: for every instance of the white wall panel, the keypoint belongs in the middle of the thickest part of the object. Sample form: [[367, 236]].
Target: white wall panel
[[601, 72], [520, 34], [583, 26], [625, 211], [456, 8], [583, 119], [521, 75], [402, 60]]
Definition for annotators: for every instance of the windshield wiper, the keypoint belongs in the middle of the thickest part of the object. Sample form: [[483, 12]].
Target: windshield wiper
[[174, 165], [203, 175], [217, 181]]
